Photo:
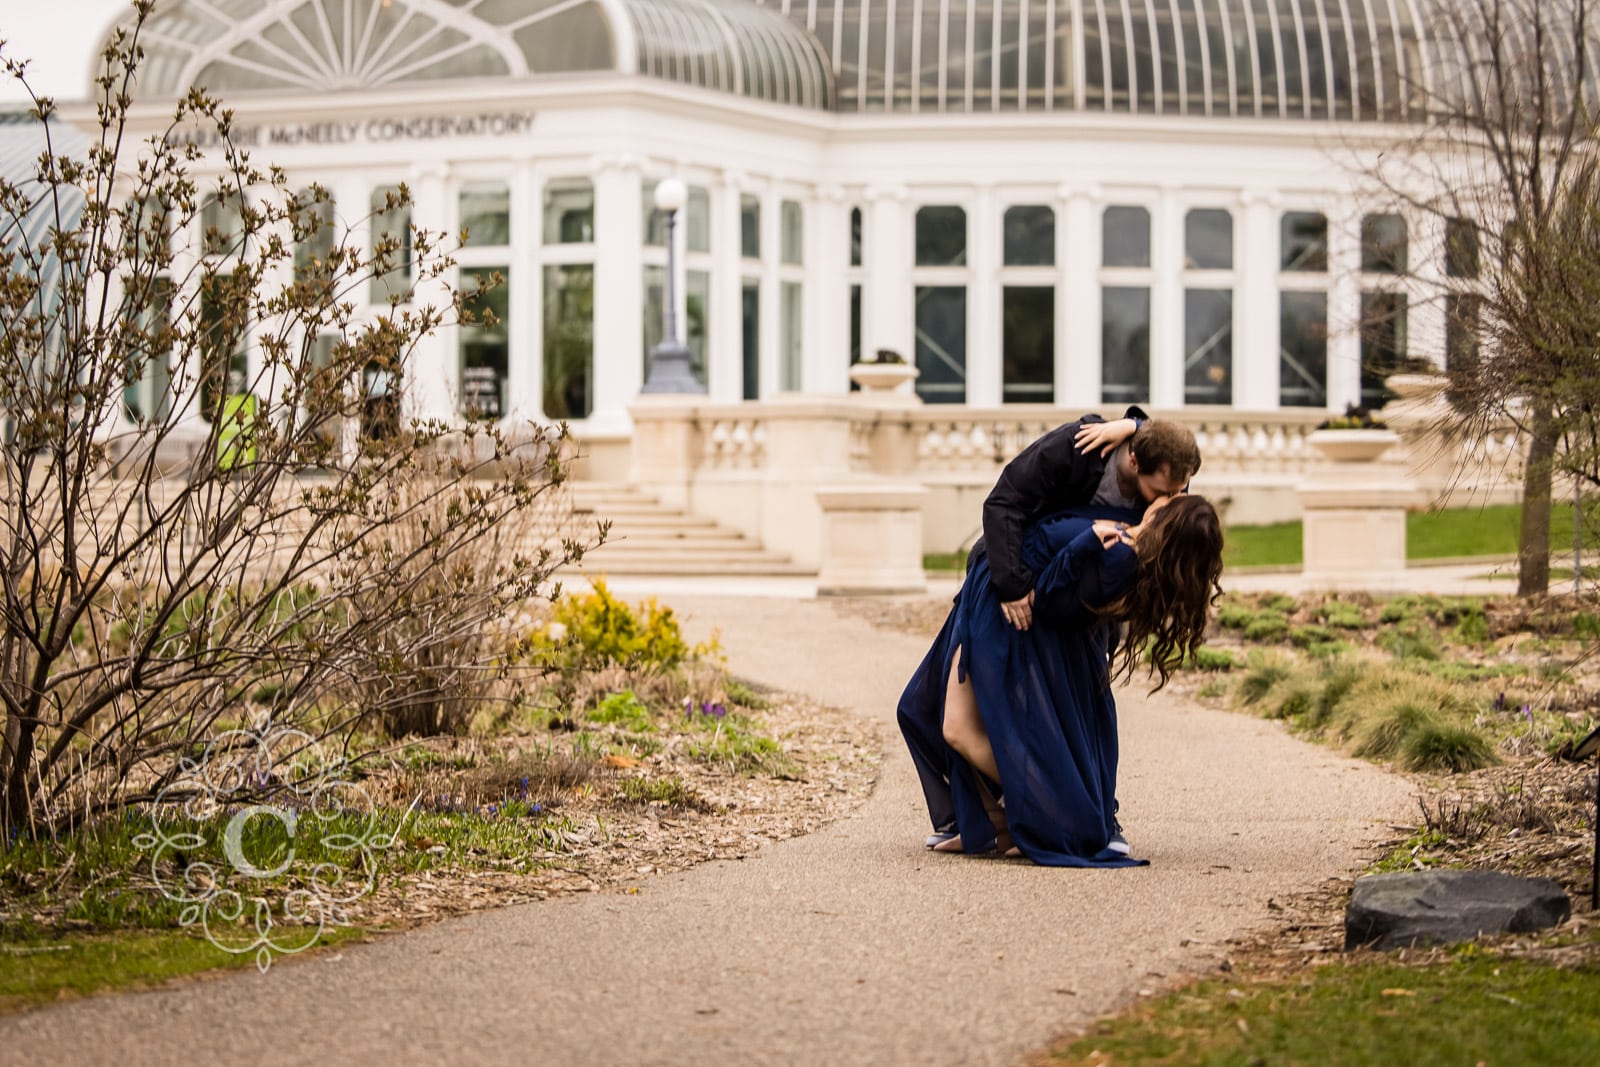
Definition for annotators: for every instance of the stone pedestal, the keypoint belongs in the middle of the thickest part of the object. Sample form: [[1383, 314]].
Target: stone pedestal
[[1354, 513], [871, 539], [666, 447]]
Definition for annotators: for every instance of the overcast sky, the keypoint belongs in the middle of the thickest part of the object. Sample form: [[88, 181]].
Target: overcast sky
[[59, 36]]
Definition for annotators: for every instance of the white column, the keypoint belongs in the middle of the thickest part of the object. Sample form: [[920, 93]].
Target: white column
[[1078, 298], [725, 353], [827, 295], [525, 371], [432, 385], [1255, 314], [887, 315], [1166, 302], [1425, 308], [1344, 305], [983, 301], [619, 293]]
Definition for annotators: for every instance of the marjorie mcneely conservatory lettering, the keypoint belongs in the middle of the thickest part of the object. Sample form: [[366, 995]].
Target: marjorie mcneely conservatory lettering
[[500, 124]]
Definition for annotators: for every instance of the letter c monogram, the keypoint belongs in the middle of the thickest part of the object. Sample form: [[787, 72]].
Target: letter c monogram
[[233, 847]]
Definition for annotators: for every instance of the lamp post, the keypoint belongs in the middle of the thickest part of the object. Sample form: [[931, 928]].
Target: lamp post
[[669, 361]]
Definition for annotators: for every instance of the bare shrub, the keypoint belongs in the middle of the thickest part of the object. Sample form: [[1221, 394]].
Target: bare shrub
[[275, 518]]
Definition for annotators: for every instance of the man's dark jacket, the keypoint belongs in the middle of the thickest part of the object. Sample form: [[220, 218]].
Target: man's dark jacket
[[1048, 476]]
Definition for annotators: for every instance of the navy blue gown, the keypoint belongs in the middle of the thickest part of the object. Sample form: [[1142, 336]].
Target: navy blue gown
[[1044, 696]]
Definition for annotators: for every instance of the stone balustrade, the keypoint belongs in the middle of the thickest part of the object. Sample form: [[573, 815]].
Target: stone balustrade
[[757, 466]]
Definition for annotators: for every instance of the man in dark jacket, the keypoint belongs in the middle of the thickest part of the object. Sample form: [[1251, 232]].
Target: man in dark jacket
[[1126, 463]]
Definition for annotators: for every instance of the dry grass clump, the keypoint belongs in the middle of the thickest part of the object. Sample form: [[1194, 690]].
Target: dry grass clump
[[1376, 710]]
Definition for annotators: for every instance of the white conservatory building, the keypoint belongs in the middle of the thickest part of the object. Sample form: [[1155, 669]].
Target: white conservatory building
[[1047, 206], [1071, 202]]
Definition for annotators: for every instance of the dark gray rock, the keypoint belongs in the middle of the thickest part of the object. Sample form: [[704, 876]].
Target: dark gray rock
[[1441, 907]]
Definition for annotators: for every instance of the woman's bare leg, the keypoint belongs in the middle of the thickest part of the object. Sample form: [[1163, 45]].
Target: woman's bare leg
[[963, 725], [964, 732]]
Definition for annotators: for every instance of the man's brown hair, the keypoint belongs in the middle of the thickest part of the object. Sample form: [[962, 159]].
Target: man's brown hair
[[1163, 445]]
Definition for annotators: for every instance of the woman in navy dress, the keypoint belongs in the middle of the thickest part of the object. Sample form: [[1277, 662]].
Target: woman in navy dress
[[1014, 732]]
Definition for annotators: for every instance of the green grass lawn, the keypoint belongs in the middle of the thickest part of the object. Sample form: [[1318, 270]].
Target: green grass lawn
[[1478, 1009], [40, 970], [1488, 531]]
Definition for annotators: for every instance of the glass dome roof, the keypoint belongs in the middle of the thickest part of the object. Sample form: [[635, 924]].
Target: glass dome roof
[[1332, 60], [1282, 59], [241, 46]]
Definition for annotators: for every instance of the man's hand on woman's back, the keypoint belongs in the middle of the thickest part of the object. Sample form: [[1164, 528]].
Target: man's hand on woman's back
[[1019, 613]]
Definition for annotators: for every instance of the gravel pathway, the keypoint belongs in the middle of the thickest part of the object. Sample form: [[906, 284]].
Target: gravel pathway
[[851, 945]]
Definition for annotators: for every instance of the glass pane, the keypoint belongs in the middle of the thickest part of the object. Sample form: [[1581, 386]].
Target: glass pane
[[1028, 345], [1208, 240], [1030, 239], [147, 397], [568, 341], [750, 227], [1461, 331], [1303, 350], [1124, 345], [220, 224], [485, 346], [750, 342], [696, 320], [1461, 249], [1304, 236], [568, 212], [792, 219], [486, 214], [1383, 343], [1208, 346], [789, 337], [855, 237], [655, 222], [855, 327], [941, 343], [225, 331], [941, 236], [151, 221], [1125, 237], [1383, 244], [655, 286], [312, 251], [697, 219], [391, 246]]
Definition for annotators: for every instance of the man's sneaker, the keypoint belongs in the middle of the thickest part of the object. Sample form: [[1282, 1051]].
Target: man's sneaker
[[1118, 843]]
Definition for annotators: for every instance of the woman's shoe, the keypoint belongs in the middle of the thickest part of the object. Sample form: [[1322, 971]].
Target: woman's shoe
[[935, 840]]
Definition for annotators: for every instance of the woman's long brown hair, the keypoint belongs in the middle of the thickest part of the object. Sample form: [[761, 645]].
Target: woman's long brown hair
[[1180, 564]]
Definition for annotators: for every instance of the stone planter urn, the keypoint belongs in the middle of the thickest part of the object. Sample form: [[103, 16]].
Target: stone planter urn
[[885, 381], [1353, 445]]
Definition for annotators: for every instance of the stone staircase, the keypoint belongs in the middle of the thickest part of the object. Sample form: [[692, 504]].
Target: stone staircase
[[650, 538]]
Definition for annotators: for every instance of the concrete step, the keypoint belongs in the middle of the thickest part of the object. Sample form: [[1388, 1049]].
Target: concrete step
[[596, 565], [689, 550], [667, 537], [648, 538], [652, 520]]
